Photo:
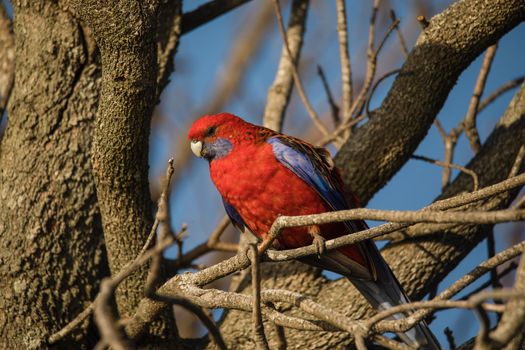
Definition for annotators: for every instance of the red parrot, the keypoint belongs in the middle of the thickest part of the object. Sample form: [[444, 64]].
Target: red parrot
[[262, 174]]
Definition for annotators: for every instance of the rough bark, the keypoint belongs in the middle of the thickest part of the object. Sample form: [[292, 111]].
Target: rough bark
[[444, 49], [51, 254], [126, 35], [123, 32]]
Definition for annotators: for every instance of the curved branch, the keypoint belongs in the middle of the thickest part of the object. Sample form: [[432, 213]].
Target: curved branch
[[281, 89]]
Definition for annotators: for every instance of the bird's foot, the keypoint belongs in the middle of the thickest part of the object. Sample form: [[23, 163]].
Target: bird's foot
[[320, 245]]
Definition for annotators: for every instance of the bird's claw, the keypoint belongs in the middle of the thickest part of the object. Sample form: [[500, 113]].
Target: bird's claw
[[320, 245]]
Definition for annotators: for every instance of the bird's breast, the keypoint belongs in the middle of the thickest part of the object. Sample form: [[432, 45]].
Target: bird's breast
[[261, 188]]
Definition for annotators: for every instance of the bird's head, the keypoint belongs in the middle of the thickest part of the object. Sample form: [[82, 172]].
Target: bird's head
[[214, 136]]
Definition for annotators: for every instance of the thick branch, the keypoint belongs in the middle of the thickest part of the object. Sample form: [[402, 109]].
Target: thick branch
[[208, 12], [281, 89], [126, 37]]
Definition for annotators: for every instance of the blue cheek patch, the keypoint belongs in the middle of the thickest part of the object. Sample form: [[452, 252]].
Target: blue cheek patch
[[220, 148]]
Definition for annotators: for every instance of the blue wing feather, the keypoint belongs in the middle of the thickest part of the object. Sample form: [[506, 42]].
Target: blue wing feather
[[314, 172], [234, 215]]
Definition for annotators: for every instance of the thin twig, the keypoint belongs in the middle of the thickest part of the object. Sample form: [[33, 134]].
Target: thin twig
[[374, 87], [165, 191], [257, 321], [206, 320], [311, 112], [491, 251], [512, 319], [500, 91], [360, 342], [390, 343], [431, 216], [444, 204], [189, 285], [511, 267], [281, 337], [112, 334], [470, 172], [450, 338], [423, 21], [333, 106], [212, 244], [371, 64], [475, 302], [470, 118], [361, 99], [514, 170], [402, 41], [450, 140], [344, 57]]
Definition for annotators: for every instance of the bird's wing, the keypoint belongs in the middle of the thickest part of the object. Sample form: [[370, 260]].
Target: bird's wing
[[315, 167], [234, 215]]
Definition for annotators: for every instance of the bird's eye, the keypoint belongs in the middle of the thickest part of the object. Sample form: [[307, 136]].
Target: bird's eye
[[210, 131]]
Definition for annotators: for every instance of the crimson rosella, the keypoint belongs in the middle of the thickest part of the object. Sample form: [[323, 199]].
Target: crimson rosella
[[262, 174]]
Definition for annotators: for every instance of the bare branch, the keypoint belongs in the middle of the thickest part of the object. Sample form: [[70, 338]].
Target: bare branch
[[450, 338], [450, 140], [258, 327], [481, 217], [333, 106], [500, 91], [297, 4], [208, 12], [55, 337], [475, 181], [243, 52], [112, 334], [400, 36], [344, 57], [470, 118], [377, 83], [168, 35], [281, 337], [513, 318], [517, 162], [511, 267]]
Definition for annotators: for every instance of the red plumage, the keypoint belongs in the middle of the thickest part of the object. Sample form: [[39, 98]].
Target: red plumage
[[262, 174], [260, 188]]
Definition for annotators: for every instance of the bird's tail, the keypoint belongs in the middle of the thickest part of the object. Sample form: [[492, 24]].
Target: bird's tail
[[386, 292]]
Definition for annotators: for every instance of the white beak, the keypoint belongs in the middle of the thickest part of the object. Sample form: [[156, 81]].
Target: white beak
[[196, 147]]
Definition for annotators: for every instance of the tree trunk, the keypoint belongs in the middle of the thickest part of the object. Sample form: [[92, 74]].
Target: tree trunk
[[51, 255]]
